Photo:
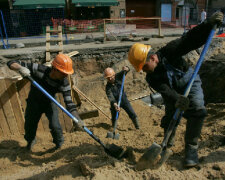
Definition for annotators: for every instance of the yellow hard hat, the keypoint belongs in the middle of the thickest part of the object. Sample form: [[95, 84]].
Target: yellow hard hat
[[109, 72], [137, 55]]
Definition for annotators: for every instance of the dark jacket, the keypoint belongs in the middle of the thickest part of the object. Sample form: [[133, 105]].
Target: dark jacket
[[113, 90], [40, 74], [170, 57]]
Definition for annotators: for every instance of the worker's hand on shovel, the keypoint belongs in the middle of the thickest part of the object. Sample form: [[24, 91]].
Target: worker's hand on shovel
[[117, 107], [24, 72], [216, 19], [182, 103], [80, 124]]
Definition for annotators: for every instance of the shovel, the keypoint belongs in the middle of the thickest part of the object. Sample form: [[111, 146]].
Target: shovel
[[114, 135], [111, 149], [157, 154]]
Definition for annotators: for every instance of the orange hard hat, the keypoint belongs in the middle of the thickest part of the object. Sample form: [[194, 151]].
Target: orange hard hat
[[63, 63], [109, 72], [137, 55]]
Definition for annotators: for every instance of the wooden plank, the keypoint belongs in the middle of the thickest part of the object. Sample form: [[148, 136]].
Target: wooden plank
[[74, 94], [52, 31], [61, 117], [7, 108], [62, 114], [60, 43], [22, 93], [3, 122], [89, 114], [48, 56], [67, 120], [15, 102], [1, 132], [48, 47], [48, 37]]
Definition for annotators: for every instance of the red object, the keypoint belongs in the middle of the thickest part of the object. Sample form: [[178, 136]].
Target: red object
[[221, 35]]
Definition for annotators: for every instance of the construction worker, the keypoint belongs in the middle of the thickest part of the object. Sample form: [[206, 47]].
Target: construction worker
[[169, 74], [113, 86], [53, 80]]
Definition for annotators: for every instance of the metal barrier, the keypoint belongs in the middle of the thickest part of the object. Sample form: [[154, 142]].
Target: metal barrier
[[5, 45]]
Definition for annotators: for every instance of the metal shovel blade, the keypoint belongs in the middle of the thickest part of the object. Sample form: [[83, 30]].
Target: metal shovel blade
[[114, 151], [150, 158], [165, 154], [113, 135]]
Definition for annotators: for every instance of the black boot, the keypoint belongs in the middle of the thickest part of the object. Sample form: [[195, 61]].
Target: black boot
[[59, 144], [31, 144], [191, 156], [136, 123], [193, 131]]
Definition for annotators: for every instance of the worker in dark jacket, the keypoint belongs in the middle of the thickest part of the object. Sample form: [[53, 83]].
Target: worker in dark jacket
[[53, 80], [114, 82], [169, 74]]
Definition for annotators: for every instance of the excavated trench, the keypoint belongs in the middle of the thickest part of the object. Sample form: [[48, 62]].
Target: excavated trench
[[81, 156]]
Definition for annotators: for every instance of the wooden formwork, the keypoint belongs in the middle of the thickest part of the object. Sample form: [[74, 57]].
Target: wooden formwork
[[13, 95]]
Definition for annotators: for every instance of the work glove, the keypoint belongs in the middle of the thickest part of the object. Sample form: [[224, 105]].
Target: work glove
[[216, 19], [24, 72], [126, 68], [80, 124], [116, 107], [182, 103]]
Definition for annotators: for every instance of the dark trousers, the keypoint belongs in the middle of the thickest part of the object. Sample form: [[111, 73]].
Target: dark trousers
[[195, 115], [33, 114], [125, 104]]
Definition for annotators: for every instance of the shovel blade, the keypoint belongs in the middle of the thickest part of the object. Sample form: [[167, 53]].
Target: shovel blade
[[116, 136], [150, 158], [109, 135], [113, 135], [114, 151], [165, 154]]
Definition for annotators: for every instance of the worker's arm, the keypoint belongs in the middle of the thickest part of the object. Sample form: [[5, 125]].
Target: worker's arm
[[36, 70], [192, 40], [119, 75], [110, 95], [65, 89], [20, 67]]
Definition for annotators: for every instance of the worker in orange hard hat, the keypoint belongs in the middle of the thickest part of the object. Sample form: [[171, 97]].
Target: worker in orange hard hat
[[53, 80], [169, 74], [113, 86]]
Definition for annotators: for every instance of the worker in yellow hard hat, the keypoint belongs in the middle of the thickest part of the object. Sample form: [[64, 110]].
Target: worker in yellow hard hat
[[53, 80], [168, 73], [113, 86]]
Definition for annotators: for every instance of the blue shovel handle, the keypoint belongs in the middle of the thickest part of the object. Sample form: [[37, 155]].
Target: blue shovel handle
[[178, 113]]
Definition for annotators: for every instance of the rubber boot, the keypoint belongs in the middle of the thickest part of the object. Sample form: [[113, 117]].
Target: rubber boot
[[59, 145], [136, 123], [193, 131], [30, 144]]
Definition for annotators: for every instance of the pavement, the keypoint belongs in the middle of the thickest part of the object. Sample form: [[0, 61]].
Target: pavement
[[36, 44]]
